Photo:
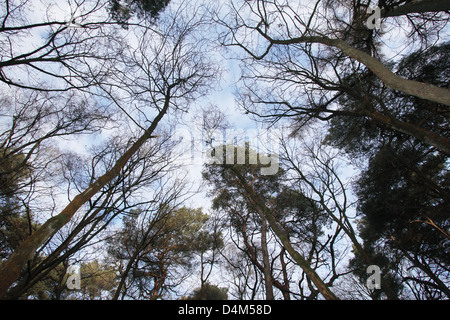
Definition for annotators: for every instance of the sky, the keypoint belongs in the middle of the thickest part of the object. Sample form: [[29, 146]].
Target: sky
[[222, 96]]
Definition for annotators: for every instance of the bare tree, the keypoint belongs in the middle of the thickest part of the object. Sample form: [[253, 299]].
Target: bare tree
[[147, 249], [175, 73], [71, 50], [77, 42], [244, 276], [248, 197], [122, 196], [315, 168], [308, 58], [31, 127]]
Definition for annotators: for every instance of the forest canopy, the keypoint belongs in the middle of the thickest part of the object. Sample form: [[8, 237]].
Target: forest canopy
[[213, 150]]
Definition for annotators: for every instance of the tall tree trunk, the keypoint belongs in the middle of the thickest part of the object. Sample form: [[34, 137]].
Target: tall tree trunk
[[266, 261], [264, 211], [10, 270], [285, 290], [298, 258]]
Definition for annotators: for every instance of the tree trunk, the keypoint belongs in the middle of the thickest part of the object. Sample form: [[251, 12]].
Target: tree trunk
[[124, 276], [285, 290], [298, 258], [264, 211], [439, 284], [10, 270], [433, 139], [417, 7], [266, 261], [419, 89]]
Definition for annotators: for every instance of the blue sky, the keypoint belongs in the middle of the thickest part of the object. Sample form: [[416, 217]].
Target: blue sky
[[223, 96]]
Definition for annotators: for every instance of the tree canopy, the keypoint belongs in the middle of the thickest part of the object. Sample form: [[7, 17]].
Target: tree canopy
[[214, 150]]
